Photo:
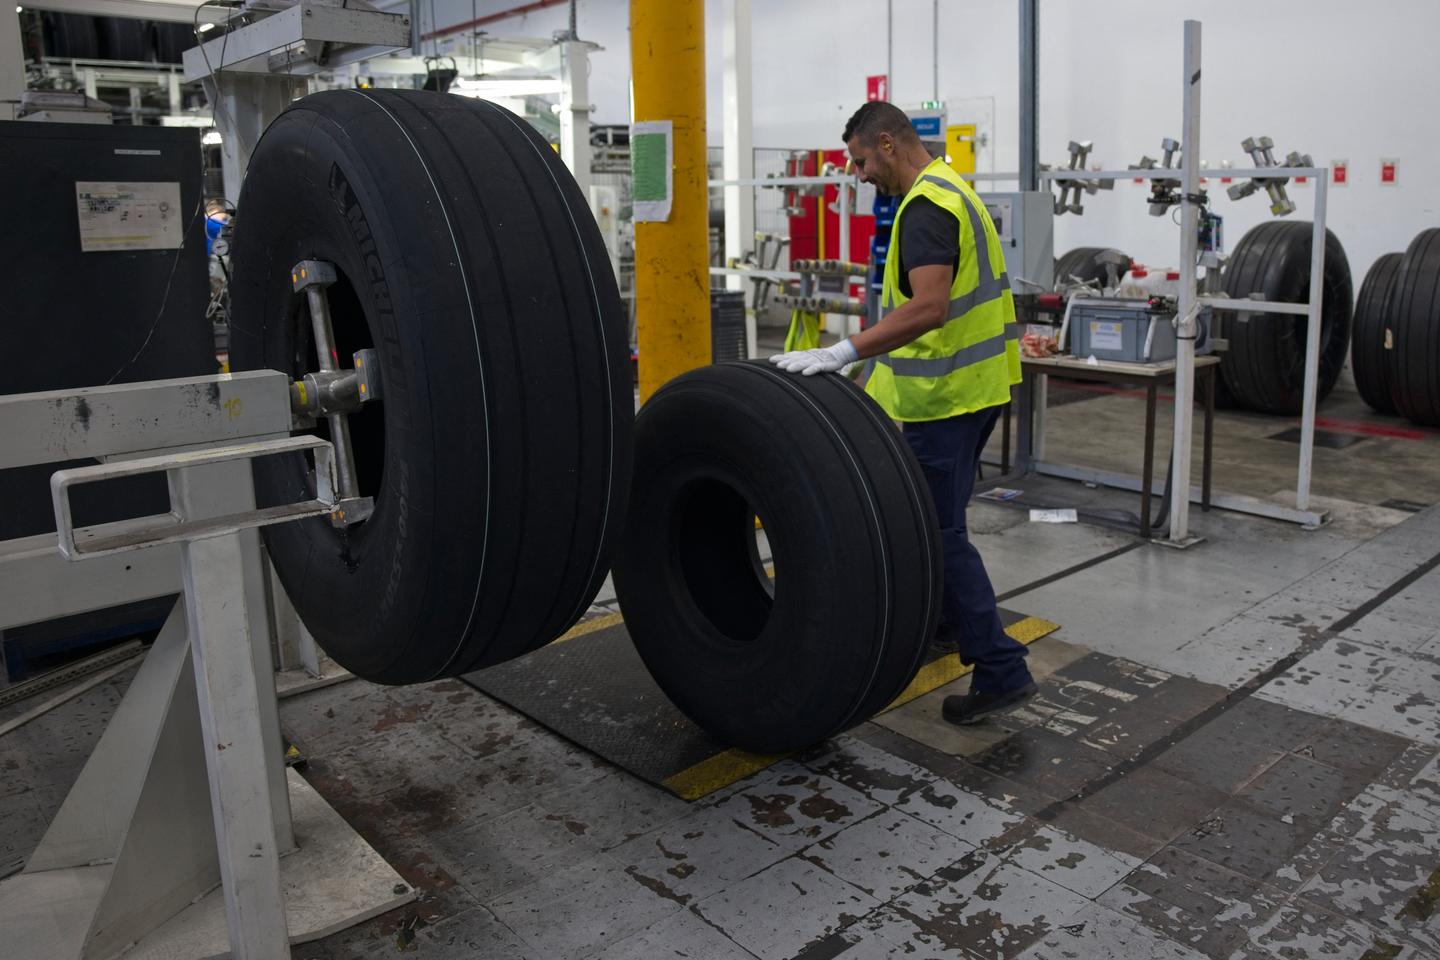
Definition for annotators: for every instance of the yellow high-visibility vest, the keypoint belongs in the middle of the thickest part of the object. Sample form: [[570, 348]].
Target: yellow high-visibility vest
[[971, 362]]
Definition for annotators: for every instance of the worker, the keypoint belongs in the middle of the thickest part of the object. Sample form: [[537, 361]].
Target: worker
[[944, 358]]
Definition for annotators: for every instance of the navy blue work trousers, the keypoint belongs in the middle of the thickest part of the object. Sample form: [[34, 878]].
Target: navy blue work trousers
[[949, 451]]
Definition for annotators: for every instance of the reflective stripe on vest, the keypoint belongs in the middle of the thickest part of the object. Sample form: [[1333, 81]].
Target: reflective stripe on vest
[[991, 288], [972, 357], [939, 366]]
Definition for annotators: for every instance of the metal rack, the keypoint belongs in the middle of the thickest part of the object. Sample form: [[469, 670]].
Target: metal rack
[[187, 786], [1189, 304]]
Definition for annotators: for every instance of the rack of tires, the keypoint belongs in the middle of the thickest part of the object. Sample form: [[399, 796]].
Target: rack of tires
[[75, 36], [1395, 355], [1263, 367]]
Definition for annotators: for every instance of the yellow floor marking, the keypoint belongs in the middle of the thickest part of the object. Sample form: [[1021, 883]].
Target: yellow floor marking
[[590, 626], [718, 771], [728, 766], [937, 673]]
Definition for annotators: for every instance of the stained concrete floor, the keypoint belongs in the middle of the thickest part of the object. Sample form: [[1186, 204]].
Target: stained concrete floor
[[1235, 754]]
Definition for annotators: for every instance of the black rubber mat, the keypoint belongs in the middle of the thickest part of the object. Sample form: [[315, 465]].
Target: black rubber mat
[[592, 688], [1327, 439]]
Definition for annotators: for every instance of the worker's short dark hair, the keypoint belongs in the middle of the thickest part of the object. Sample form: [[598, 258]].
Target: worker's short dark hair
[[877, 117]]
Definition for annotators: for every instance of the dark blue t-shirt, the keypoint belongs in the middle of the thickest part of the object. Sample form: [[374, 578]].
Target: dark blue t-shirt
[[929, 235]]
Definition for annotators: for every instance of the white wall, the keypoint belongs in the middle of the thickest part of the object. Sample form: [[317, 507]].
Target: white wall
[[1327, 77]]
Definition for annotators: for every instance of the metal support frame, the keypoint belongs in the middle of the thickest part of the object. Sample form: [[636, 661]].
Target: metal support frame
[[251, 72], [1187, 316], [12, 67], [736, 144], [187, 785], [843, 181], [1191, 301], [1029, 94], [575, 111]]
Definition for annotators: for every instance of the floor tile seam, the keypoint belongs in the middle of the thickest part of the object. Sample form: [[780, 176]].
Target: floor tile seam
[[494, 918], [927, 777], [879, 903], [885, 808], [1255, 885], [1251, 686], [799, 856], [691, 909], [469, 752], [1296, 901], [471, 825], [1401, 933], [933, 826], [512, 892]]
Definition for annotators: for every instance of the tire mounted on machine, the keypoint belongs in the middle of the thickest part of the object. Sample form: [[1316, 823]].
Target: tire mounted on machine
[[499, 454], [1084, 263], [1371, 332], [858, 565], [1413, 363], [1264, 366]]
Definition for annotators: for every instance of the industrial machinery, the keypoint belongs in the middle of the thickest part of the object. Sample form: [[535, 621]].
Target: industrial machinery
[[453, 494], [120, 207]]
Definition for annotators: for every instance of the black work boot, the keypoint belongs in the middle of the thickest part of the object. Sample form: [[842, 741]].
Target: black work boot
[[973, 707]]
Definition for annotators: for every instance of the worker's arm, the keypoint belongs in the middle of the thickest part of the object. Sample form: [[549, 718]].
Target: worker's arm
[[923, 312]]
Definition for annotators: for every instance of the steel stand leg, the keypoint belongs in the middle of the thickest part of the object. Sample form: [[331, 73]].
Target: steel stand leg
[[1211, 374], [1148, 470], [227, 688]]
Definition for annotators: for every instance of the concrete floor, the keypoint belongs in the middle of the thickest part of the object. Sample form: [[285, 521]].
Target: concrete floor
[[1235, 754]]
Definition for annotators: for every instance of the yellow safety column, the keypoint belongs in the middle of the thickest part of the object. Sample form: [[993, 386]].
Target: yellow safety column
[[672, 257]]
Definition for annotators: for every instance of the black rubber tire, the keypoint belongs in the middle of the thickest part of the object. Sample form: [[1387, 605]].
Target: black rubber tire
[[1370, 332], [1084, 263], [500, 449], [70, 35], [853, 536], [123, 38], [169, 41], [1264, 365], [1414, 362]]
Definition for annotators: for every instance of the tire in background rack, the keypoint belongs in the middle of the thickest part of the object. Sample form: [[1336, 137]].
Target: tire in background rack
[[1413, 364], [499, 452], [854, 541], [70, 35], [1264, 366], [1371, 332], [169, 41], [1083, 263], [123, 38]]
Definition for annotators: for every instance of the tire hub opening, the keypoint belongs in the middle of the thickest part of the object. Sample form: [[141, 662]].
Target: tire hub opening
[[715, 539]]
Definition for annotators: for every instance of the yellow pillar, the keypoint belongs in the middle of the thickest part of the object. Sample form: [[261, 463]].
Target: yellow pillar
[[672, 258]]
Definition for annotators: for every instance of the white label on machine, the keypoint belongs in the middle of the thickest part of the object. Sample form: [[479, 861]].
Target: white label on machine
[[129, 216], [1106, 336]]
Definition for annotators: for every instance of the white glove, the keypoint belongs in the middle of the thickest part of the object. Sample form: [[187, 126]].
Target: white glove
[[819, 360]]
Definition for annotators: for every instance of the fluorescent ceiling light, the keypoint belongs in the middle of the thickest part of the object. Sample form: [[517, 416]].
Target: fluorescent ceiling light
[[204, 27], [497, 87]]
